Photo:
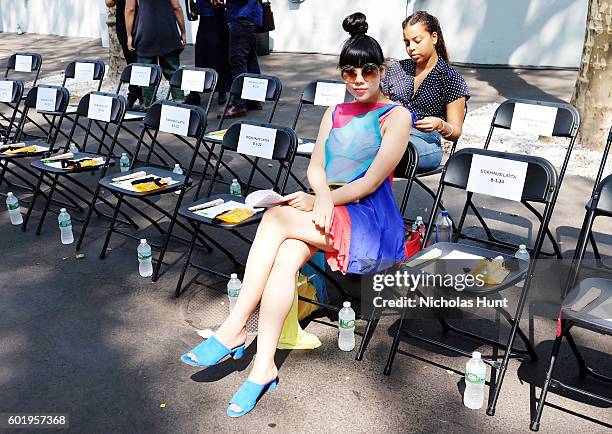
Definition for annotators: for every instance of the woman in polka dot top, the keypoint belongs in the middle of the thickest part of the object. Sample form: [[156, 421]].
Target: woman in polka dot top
[[429, 87]]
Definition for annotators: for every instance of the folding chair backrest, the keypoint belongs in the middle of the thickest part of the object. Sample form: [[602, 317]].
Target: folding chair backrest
[[309, 96], [154, 77], [16, 93], [62, 98], [284, 148], [604, 161], [273, 92], [540, 180], [210, 82], [99, 69], [118, 105], [13, 99], [15, 62], [602, 199]]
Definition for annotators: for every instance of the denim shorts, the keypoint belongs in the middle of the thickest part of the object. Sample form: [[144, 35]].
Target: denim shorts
[[429, 149]]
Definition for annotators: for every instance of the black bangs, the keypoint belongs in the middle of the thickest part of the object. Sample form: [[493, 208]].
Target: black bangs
[[359, 50]]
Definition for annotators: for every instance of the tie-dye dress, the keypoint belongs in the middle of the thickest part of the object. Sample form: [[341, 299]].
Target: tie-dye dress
[[368, 235]]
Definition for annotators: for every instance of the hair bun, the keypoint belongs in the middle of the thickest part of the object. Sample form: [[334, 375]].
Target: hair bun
[[355, 24]]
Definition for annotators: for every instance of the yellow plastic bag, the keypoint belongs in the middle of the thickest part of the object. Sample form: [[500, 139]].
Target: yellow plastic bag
[[292, 336], [236, 215]]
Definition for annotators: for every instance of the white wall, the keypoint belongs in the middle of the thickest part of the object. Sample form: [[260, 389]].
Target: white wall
[[517, 32]]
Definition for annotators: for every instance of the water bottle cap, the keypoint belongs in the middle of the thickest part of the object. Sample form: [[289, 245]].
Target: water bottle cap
[[143, 241], [476, 355], [177, 165], [9, 193], [234, 180], [233, 276], [123, 154], [444, 213], [346, 304], [62, 209], [523, 247], [419, 218]]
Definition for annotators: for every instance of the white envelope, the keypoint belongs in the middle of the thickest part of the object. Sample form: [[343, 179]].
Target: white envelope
[[498, 177], [6, 90], [140, 76], [329, 94], [84, 71], [174, 120], [23, 63], [45, 99], [100, 107], [254, 89], [256, 141], [193, 81]]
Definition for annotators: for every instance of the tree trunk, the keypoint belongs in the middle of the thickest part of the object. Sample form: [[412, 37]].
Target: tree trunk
[[116, 60], [592, 91]]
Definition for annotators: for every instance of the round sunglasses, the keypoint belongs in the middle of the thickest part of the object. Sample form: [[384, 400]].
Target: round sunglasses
[[369, 72]]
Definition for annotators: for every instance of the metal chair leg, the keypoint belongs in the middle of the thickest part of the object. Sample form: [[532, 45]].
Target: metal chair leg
[[24, 225], [111, 228], [179, 284], [394, 345], [370, 327], [535, 424], [43, 215]]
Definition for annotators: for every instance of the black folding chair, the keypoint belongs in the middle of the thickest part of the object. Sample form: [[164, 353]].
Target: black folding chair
[[540, 186], [308, 98], [17, 68], [16, 162], [12, 104], [273, 93], [285, 146], [70, 169], [566, 125], [581, 306], [155, 175]]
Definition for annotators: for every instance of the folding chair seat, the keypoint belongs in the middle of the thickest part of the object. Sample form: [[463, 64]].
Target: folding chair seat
[[283, 152], [51, 102], [242, 88], [586, 303], [566, 124], [325, 95], [183, 123], [24, 66], [68, 166], [539, 185], [10, 98]]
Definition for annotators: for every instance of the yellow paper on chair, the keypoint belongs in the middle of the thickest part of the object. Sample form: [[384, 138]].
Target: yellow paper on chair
[[292, 336]]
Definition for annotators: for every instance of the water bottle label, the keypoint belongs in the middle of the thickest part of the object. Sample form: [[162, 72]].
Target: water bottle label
[[125, 164], [346, 324], [233, 292], [12, 206], [474, 378], [65, 223], [144, 256]]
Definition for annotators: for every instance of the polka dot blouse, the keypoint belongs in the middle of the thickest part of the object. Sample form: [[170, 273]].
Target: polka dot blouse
[[442, 86]]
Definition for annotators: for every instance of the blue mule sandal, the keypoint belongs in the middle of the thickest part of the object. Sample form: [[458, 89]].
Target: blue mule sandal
[[248, 395], [210, 352]]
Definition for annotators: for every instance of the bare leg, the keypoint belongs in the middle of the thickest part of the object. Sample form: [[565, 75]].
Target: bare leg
[[278, 224]]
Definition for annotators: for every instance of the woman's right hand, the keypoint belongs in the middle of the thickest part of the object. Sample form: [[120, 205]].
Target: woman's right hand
[[323, 212], [130, 42], [300, 200]]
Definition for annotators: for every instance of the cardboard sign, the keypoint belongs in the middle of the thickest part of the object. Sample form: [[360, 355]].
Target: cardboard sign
[[256, 141], [174, 120], [23, 63], [140, 76], [45, 99], [497, 177], [533, 119], [84, 71], [254, 89], [193, 81], [6, 91], [328, 94], [100, 107]]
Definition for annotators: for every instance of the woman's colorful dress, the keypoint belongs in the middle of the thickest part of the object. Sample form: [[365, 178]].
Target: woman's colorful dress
[[368, 235]]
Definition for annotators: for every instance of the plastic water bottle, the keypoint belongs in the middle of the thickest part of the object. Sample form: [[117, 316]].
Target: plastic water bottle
[[19, 30], [522, 253], [177, 169], [475, 372], [145, 265], [346, 327], [65, 225], [12, 203], [419, 226], [444, 228], [73, 148], [235, 188], [124, 162], [233, 290]]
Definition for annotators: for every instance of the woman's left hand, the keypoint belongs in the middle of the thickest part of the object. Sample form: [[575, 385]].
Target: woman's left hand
[[300, 200], [429, 124], [323, 212]]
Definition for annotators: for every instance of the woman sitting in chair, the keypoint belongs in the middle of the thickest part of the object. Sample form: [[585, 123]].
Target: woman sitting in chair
[[429, 87], [358, 225]]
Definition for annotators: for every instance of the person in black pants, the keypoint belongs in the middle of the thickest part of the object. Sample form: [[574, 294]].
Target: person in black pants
[[134, 92], [212, 46], [244, 17]]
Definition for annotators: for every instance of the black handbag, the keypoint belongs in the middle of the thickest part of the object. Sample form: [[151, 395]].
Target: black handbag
[[268, 17]]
